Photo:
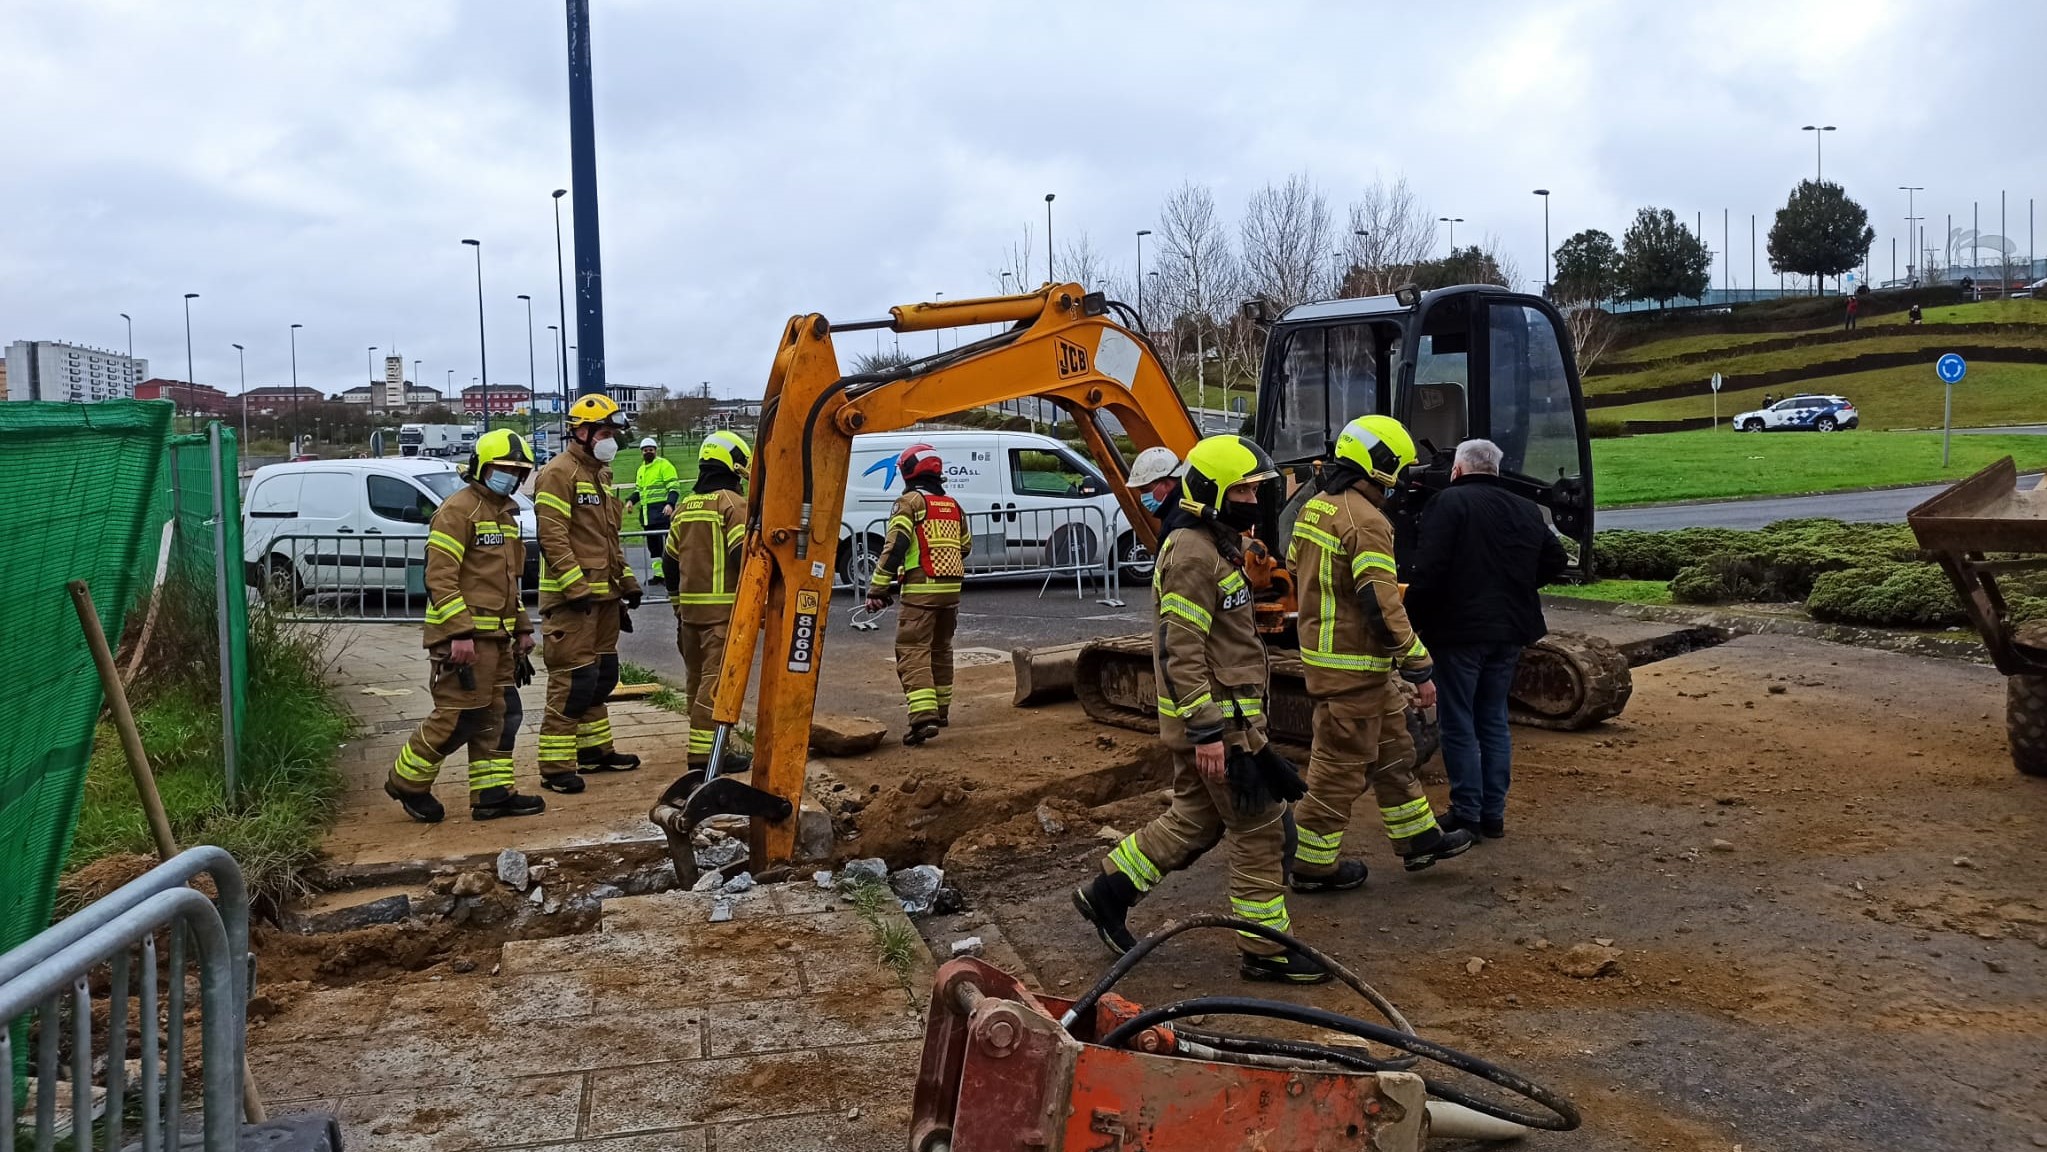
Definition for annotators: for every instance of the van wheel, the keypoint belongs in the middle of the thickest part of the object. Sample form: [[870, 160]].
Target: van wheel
[[1133, 559], [281, 582], [1752, 424], [856, 565]]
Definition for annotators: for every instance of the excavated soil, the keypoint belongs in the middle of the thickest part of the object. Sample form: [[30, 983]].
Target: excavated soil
[[1812, 868]]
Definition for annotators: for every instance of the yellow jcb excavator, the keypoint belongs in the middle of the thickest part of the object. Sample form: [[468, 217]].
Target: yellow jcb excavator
[[1458, 362]]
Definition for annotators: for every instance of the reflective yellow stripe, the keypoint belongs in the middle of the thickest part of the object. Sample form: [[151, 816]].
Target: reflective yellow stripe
[[1416, 649], [489, 623], [593, 733], [1317, 535], [442, 613], [1325, 580], [585, 486], [1170, 707], [1174, 604], [1346, 661], [903, 522], [1271, 913], [1317, 849], [1363, 560], [931, 588], [1243, 708], [493, 773], [1234, 582], [601, 587], [1410, 819], [551, 501], [700, 739], [412, 766], [562, 582], [706, 598], [447, 543], [734, 535], [1126, 858]]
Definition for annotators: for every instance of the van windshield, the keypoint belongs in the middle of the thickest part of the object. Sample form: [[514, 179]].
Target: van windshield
[[441, 484]]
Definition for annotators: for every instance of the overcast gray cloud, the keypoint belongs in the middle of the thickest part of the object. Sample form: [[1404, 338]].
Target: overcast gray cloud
[[320, 162]]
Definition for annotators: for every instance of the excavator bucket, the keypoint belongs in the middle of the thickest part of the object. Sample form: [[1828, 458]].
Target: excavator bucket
[[692, 799]]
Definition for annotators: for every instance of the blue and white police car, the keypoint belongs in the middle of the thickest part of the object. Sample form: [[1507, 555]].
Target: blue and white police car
[[1804, 413]]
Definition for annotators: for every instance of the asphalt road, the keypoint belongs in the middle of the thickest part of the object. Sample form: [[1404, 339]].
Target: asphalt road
[[1886, 505]]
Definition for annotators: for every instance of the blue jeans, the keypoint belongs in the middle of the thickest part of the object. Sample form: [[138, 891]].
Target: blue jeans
[[1471, 702]]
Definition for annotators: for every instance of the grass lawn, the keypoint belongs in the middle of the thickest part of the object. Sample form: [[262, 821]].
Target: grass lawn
[[2027, 311], [1685, 345], [1817, 357], [1990, 395], [1616, 591], [1723, 464]]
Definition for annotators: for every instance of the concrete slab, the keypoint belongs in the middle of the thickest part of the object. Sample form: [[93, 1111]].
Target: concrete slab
[[652, 1095], [672, 1140], [813, 1022], [452, 1119]]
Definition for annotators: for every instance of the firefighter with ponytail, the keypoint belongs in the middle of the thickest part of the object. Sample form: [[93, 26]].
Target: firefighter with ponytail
[[928, 543]]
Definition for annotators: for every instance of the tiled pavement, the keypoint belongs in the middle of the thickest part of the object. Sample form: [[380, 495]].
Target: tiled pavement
[[379, 671], [779, 1029]]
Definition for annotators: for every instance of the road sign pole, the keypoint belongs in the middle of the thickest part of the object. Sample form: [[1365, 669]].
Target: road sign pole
[[1947, 424]]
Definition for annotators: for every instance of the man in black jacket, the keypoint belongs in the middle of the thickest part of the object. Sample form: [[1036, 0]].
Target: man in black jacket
[[1485, 552]]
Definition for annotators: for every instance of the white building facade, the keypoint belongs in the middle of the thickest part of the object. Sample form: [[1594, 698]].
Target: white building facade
[[70, 373]]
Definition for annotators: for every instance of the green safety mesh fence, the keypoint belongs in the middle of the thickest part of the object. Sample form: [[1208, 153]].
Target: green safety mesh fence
[[75, 486]]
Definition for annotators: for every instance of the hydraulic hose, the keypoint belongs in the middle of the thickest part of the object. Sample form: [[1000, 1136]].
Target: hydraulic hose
[[1562, 1115]]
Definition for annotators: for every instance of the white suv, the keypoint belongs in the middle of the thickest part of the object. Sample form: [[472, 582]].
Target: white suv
[[1804, 413]]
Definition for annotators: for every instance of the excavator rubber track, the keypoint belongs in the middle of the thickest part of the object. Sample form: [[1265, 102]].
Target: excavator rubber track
[[1567, 681]]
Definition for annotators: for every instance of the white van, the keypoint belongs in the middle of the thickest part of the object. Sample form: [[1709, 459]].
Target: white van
[[350, 525], [1030, 500]]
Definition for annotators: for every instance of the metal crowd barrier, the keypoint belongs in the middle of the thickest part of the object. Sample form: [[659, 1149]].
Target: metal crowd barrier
[[1046, 543], [119, 933]]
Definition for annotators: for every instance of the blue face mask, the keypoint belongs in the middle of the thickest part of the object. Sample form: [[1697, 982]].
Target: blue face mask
[[502, 482], [1151, 503]]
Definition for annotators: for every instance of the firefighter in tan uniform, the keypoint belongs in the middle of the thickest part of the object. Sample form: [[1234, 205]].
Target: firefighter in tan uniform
[[477, 631], [585, 591], [928, 543], [1355, 637], [1210, 665], [701, 564]]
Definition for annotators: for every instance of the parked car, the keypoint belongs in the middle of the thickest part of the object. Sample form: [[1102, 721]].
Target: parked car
[[352, 525], [1805, 413], [1022, 493], [2031, 290]]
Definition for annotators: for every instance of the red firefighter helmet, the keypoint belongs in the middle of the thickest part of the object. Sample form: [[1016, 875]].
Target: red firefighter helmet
[[919, 460]]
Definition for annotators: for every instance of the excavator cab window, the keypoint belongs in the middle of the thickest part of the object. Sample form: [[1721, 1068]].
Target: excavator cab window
[[1328, 375]]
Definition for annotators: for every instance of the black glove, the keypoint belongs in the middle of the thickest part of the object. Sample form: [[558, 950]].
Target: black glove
[[522, 675], [465, 674], [625, 618], [1248, 789], [1282, 779], [632, 599]]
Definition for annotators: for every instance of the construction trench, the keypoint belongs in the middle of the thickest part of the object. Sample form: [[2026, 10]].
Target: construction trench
[[1788, 899]]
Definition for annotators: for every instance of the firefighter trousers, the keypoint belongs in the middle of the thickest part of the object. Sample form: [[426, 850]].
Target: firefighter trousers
[[924, 658], [472, 715], [703, 658], [580, 647], [1200, 815], [1360, 738]]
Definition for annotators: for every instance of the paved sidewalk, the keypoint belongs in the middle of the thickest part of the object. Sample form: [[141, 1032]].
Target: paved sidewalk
[[661, 1031], [379, 671]]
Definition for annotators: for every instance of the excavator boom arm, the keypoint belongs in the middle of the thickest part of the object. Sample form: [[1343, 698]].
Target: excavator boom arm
[[1062, 346]]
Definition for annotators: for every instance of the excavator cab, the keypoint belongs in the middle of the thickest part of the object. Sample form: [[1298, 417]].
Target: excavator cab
[[1474, 361]]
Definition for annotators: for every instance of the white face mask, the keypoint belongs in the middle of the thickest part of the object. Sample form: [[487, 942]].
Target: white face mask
[[501, 482], [605, 449]]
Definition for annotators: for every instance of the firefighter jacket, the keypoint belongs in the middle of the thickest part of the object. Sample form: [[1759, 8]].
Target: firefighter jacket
[[1353, 627], [656, 484], [702, 554], [1208, 657], [915, 546], [580, 551], [473, 560]]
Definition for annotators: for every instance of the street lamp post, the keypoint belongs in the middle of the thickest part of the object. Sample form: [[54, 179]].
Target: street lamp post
[[242, 359], [1453, 222], [560, 351], [936, 333], [1911, 239], [417, 379], [191, 384], [1141, 234], [1544, 193], [532, 413], [1048, 236], [482, 351], [369, 361], [131, 343], [1819, 165], [561, 303], [295, 388]]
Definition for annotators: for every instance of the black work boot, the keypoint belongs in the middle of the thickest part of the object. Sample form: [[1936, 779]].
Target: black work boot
[[1349, 874], [920, 731], [1285, 968], [944, 719], [1105, 902], [491, 803], [1435, 844], [611, 760], [421, 806], [735, 762], [566, 783]]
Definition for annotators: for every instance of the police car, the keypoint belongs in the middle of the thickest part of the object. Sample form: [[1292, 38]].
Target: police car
[[1801, 414]]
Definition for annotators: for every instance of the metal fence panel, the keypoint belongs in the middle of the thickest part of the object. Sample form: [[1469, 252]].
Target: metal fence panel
[[1050, 544]]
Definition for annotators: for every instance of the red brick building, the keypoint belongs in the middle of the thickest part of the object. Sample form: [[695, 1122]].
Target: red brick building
[[505, 399], [191, 399]]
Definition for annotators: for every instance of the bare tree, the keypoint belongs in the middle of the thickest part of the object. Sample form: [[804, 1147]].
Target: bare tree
[[1286, 241], [1398, 232], [1016, 261], [1196, 288], [1083, 265], [1592, 333]]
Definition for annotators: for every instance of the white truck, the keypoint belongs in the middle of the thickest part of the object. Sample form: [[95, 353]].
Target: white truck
[[435, 439]]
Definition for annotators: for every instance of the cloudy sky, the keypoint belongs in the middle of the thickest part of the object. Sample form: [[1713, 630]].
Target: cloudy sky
[[320, 162]]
